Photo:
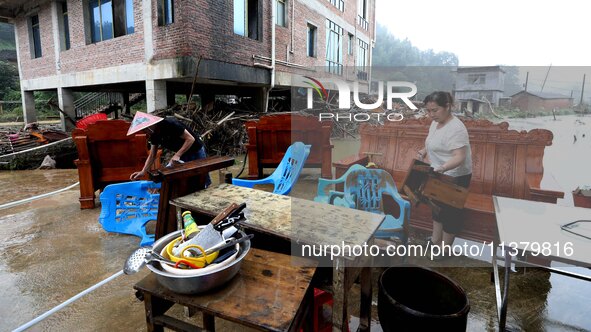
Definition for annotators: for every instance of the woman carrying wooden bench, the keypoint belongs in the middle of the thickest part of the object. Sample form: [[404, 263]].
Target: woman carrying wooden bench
[[447, 149]]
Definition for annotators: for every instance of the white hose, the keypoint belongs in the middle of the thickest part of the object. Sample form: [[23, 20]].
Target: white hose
[[30, 199], [67, 302]]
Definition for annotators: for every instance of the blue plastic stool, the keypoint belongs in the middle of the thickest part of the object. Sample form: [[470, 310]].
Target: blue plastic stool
[[128, 207]]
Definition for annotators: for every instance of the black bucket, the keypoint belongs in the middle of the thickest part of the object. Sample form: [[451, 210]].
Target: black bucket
[[413, 298]]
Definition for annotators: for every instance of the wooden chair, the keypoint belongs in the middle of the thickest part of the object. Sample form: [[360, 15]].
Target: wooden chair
[[107, 155]]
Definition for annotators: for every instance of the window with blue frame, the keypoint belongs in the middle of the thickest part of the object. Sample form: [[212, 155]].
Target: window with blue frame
[[36, 37], [165, 12], [110, 19], [65, 41], [334, 52], [246, 18]]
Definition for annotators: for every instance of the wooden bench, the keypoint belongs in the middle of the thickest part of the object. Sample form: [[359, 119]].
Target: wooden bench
[[271, 135], [505, 163], [107, 155]]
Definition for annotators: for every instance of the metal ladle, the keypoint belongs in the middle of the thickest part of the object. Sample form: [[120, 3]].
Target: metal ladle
[[141, 257]]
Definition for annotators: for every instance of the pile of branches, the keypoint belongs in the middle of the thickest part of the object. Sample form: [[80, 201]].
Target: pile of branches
[[220, 124], [346, 121]]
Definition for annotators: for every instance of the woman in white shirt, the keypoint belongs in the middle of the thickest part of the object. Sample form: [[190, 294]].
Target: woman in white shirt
[[447, 149]]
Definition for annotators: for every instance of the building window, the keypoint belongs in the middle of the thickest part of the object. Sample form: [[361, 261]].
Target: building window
[[165, 12], [350, 44], [36, 37], [246, 18], [65, 26], [280, 13], [334, 56], [362, 59], [311, 41], [362, 14], [340, 4], [110, 19], [477, 79]]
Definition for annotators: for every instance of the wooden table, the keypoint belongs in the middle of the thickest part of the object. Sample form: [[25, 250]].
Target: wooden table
[[534, 228], [178, 181], [303, 222], [266, 294]]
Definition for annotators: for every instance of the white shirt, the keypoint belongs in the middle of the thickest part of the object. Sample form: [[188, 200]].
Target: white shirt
[[440, 143]]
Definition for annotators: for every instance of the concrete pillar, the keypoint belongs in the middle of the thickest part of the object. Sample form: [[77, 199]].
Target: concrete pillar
[[170, 96], [126, 107], [261, 99], [29, 113], [65, 99], [155, 95]]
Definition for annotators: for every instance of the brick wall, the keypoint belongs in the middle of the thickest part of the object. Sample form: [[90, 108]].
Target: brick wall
[[45, 65], [201, 28], [117, 51], [122, 50]]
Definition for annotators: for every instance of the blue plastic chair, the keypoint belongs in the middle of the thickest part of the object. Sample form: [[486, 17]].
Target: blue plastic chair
[[365, 189], [324, 193], [127, 207], [286, 174]]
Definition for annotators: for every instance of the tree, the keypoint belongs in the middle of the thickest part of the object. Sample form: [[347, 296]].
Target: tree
[[429, 70], [9, 81]]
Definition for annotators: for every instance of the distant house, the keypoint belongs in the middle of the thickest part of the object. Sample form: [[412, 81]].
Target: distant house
[[476, 86], [532, 101]]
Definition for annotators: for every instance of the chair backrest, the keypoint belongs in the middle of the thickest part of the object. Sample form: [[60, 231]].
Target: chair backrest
[[288, 171], [112, 154], [366, 188]]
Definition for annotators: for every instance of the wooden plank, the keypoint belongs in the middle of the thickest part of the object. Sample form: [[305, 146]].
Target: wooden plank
[[266, 294]]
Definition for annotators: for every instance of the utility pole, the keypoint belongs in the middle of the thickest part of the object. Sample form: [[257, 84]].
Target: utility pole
[[582, 91], [545, 78], [526, 79]]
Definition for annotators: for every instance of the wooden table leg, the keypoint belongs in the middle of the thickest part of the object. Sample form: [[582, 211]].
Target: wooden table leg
[[365, 310], [340, 315], [155, 307], [208, 322]]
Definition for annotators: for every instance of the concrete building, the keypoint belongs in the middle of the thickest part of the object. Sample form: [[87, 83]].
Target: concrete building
[[533, 101], [476, 86], [159, 47]]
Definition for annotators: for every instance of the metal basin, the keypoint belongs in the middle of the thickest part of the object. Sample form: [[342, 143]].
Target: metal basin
[[200, 283]]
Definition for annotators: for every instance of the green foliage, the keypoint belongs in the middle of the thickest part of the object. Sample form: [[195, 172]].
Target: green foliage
[[7, 37], [393, 52], [9, 81], [398, 60]]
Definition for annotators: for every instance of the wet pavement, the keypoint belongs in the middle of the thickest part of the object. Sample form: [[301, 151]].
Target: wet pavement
[[50, 250]]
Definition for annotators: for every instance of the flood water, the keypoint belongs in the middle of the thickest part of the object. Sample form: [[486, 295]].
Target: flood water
[[567, 160]]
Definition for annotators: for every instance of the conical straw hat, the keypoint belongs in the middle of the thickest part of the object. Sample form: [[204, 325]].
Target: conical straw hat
[[141, 121]]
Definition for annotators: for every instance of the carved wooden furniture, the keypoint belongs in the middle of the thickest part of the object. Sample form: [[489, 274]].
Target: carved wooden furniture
[[270, 136], [107, 155], [270, 293], [505, 163], [178, 181]]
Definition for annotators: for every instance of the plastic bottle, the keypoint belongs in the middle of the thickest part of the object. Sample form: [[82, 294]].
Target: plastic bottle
[[191, 228]]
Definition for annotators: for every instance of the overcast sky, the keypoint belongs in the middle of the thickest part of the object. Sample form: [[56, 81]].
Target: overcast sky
[[493, 32]]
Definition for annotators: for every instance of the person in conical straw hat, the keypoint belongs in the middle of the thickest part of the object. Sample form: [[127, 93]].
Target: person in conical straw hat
[[171, 134]]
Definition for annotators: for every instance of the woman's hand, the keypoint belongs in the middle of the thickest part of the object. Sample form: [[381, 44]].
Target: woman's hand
[[137, 175], [421, 154]]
